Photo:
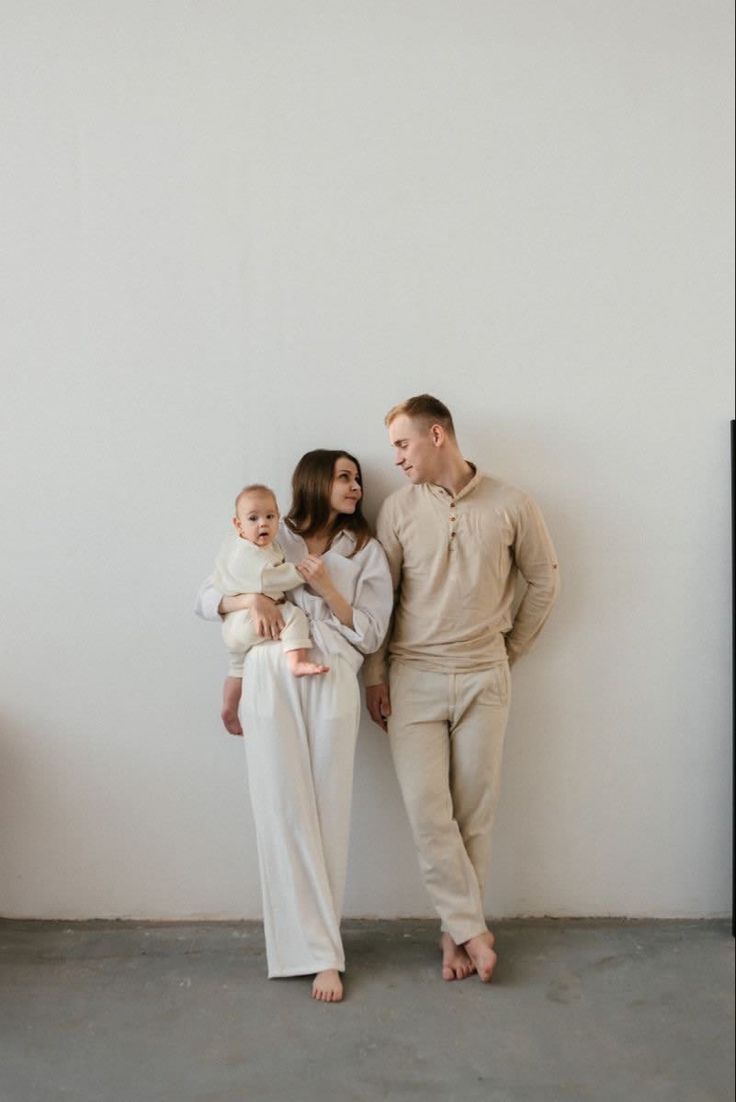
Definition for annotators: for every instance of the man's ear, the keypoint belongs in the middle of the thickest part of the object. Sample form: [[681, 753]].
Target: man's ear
[[438, 435]]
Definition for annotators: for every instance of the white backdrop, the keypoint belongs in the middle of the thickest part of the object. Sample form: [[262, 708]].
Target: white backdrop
[[235, 231]]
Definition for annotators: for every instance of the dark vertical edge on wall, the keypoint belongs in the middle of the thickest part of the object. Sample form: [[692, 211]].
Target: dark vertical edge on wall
[[733, 674]]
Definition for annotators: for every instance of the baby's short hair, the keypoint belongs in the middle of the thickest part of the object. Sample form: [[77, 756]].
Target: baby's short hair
[[254, 488]]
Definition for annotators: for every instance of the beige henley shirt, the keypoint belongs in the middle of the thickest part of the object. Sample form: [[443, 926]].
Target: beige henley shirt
[[454, 561]]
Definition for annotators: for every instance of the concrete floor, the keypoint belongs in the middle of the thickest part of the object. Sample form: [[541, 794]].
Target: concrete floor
[[579, 1010]]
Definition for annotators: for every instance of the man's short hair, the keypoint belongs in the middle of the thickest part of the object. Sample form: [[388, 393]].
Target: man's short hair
[[424, 408]]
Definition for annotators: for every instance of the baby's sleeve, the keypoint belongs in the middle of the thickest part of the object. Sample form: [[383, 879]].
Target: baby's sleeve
[[276, 579]]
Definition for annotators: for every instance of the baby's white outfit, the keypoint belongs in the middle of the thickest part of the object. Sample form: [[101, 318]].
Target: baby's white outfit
[[242, 567]]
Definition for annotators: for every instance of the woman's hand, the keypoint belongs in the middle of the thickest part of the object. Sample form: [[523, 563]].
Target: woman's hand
[[265, 613], [318, 577], [266, 616], [316, 574]]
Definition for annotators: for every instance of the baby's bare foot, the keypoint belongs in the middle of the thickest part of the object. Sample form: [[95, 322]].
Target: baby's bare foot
[[231, 693], [327, 986], [456, 964], [480, 951], [229, 717], [308, 669]]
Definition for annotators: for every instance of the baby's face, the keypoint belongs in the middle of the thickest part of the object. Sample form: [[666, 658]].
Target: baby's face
[[257, 519]]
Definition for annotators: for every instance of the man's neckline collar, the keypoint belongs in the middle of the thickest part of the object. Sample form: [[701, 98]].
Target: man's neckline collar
[[440, 491]]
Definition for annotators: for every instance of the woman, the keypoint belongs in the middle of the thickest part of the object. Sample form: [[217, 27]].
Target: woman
[[301, 732]]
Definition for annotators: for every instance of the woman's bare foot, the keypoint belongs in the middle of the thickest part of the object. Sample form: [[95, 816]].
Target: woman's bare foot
[[327, 986], [480, 951], [456, 964]]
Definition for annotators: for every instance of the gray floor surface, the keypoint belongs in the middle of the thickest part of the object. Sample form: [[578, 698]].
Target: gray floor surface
[[583, 1011]]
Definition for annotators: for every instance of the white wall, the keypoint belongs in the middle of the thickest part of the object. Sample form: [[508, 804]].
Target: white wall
[[235, 231]]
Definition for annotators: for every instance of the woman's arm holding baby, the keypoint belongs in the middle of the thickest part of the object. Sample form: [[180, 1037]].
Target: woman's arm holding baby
[[265, 613], [212, 604]]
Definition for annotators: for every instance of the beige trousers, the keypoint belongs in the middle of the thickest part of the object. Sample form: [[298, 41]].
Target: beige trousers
[[446, 733]]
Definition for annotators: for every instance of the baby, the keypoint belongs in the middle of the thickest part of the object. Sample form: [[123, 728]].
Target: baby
[[253, 562]]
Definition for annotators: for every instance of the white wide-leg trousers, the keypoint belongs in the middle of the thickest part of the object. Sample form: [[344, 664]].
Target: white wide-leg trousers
[[300, 736]]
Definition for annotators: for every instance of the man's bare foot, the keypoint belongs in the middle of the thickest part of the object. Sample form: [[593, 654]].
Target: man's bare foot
[[480, 951], [456, 964], [307, 669], [327, 986]]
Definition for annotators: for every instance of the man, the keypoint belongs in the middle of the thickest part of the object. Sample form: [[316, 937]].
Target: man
[[455, 540]]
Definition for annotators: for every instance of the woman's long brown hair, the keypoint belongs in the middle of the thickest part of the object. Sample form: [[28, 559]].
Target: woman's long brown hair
[[311, 484]]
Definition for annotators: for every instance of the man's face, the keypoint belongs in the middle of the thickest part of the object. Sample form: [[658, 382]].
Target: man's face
[[415, 449], [257, 519]]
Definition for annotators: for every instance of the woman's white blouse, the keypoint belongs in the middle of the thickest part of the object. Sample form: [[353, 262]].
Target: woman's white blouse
[[363, 580]]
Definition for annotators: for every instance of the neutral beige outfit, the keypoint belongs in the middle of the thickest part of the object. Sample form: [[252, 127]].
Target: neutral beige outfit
[[454, 563], [243, 567]]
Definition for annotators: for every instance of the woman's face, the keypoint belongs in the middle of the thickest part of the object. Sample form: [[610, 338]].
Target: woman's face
[[345, 491]]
